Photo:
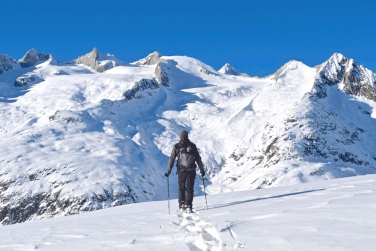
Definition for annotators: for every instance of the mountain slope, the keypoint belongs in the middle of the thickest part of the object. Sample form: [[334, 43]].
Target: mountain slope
[[327, 134], [75, 138], [327, 215]]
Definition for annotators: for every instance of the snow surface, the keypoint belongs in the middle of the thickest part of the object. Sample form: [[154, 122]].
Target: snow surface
[[326, 215], [72, 136]]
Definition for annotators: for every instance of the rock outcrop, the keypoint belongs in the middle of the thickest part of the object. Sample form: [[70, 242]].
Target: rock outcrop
[[97, 62], [23, 81], [32, 57], [151, 59], [161, 75], [29, 59], [6, 63]]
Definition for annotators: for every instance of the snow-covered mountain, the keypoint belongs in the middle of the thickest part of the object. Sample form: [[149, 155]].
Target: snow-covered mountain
[[229, 70], [97, 132]]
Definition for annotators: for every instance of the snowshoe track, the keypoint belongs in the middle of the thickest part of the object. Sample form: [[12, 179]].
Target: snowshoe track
[[200, 235]]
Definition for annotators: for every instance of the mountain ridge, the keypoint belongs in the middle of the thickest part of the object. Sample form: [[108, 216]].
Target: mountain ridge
[[78, 139]]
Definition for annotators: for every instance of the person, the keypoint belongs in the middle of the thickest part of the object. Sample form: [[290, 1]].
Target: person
[[188, 156]]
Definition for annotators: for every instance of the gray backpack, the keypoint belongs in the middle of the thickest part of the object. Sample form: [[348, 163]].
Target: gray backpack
[[186, 157]]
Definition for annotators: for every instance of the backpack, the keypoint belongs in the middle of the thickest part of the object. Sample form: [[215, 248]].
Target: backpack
[[186, 157]]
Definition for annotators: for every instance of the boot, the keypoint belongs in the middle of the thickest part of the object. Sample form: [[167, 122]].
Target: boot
[[182, 208], [188, 209]]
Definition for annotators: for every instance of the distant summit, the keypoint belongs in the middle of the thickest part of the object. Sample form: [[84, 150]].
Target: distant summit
[[97, 61], [32, 57], [151, 59], [6, 63], [228, 70]]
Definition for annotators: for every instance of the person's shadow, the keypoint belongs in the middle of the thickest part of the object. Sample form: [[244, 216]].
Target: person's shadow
[[253, 200]]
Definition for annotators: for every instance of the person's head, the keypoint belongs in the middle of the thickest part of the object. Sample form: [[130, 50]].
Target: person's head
[[184, 136]]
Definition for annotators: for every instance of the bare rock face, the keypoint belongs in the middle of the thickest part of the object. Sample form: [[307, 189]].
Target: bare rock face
[[29, 59], [6, 63], [161, 75], [90, 60], [151, 59], [43, 56], [46, 205], [205, 71], [142, 85], [23, 81], [228, 70], [96, 61]]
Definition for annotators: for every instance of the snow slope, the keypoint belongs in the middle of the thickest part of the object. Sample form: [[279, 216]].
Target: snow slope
[[74, 139], [326, 215]]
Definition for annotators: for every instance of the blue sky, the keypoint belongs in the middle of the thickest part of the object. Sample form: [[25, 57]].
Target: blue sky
[[255, 37]]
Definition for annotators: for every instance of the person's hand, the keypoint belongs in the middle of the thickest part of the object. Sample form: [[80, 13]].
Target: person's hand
[[203, 174], [166, 174]]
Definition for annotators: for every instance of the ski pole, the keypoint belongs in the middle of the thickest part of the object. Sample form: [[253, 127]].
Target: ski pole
[[205, 193], [168, 192]]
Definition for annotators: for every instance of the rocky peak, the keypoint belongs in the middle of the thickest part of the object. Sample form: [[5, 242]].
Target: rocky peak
[[228, 70], [29, 59], [6, 63], [348, 75], [151, 59], [91, 60]]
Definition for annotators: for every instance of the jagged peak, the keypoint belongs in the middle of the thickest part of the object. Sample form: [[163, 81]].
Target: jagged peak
[[94, 54], [29, 59], [229, 70], [29, 53]]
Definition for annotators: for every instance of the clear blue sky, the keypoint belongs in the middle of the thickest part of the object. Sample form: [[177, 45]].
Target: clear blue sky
[[255, 37]]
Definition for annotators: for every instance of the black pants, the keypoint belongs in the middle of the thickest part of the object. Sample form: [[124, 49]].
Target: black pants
[[186, 182]]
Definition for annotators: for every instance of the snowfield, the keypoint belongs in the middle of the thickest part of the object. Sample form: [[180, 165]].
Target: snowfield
[[97, 132], [326, 215]]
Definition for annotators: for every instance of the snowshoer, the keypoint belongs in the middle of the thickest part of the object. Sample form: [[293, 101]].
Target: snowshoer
[[188, 156]]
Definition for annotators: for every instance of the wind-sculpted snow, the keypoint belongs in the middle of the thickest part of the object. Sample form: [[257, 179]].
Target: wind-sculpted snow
[[76, 140]]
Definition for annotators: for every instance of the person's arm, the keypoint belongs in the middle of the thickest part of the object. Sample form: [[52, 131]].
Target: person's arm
[[170, 164], [199, 162]]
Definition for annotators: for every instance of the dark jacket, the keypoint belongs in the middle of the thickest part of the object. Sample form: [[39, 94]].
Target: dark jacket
[[184, 141]]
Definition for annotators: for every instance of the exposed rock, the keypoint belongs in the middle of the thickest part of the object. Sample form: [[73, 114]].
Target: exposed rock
[[205, 71], [151, 59], [348, 75], [6, 63], [22, 81], [96, 61], [228, 70], [317, 127], [46, 205], [142, 85], [90, 60], [43, 56], [29, 59], [161, 76]]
